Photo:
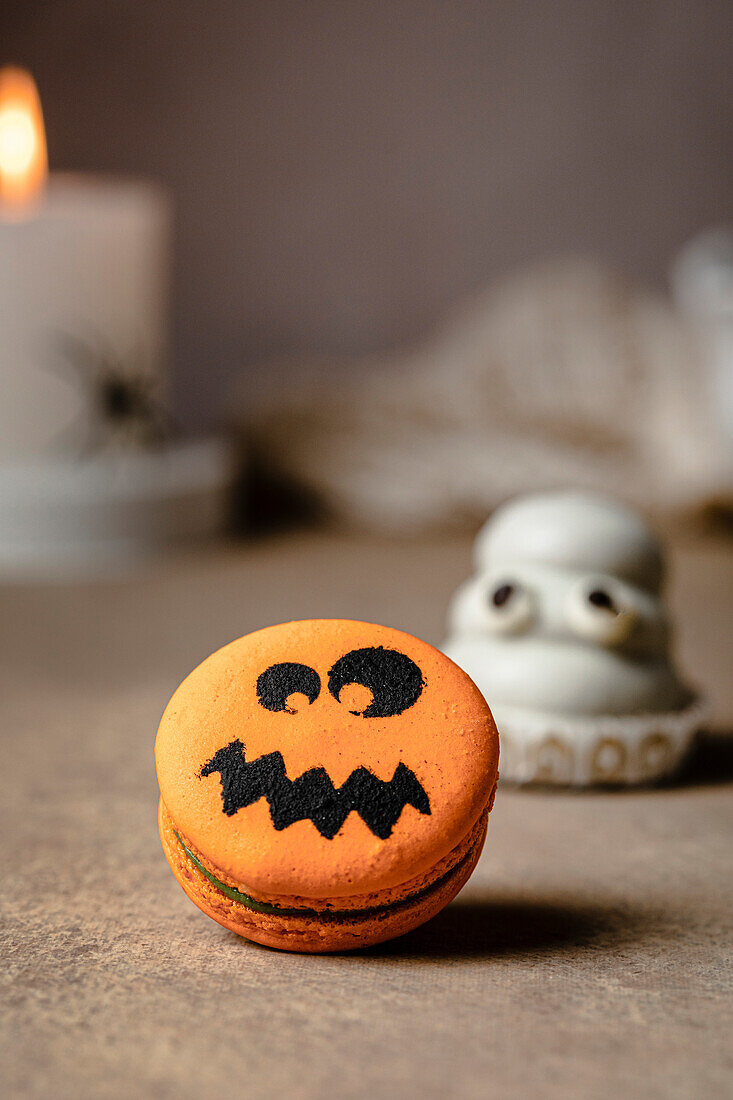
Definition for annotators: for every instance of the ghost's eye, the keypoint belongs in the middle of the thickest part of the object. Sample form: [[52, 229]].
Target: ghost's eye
[[278, 682], [393, 679], [597, 613], [502, 594], [600, 598], [509, 606]]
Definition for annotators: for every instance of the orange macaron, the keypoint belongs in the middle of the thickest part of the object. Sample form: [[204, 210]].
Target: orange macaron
[[325, 784]]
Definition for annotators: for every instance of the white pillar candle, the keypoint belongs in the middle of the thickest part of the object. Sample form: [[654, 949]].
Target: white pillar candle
[[83, 293], [83, 304]]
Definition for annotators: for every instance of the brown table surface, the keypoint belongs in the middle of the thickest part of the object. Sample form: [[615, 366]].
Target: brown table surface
[[586, 957]]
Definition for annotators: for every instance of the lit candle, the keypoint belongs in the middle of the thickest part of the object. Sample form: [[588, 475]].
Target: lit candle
[[83, 288]]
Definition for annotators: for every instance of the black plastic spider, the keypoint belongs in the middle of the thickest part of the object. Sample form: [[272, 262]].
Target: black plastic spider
[[122, 406]]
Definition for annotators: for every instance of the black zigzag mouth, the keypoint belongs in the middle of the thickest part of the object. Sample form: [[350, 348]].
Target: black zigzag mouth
[[313, 795]]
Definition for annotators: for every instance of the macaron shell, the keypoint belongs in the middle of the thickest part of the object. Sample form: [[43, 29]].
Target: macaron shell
[[309, 934], [447, 738]]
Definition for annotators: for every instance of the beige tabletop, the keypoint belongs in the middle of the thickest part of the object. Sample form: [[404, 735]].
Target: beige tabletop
[[587, 957]]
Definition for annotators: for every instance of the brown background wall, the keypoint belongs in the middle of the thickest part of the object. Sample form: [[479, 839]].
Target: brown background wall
[[344, 169]]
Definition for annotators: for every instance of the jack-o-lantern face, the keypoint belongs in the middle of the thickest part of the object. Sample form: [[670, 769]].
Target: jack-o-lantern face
[[394, 682], [326, 757]]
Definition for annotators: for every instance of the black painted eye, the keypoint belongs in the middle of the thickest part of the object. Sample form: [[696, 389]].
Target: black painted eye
[[502, 594], [278, 682], [394, 680], [600, 598]]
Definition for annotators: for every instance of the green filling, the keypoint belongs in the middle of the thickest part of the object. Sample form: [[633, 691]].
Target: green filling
[[237, 895], [323, 914]]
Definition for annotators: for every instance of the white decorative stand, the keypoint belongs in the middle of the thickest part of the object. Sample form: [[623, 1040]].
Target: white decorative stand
[[112, 509]]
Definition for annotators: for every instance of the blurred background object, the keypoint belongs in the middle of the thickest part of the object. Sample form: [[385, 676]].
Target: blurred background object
[[702, 278], [346, 175], [563, 374]]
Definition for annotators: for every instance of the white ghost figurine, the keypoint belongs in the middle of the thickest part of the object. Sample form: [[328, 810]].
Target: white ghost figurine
[[564, 630]]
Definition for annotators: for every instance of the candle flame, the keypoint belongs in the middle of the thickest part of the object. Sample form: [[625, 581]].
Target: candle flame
[[23, 158]]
